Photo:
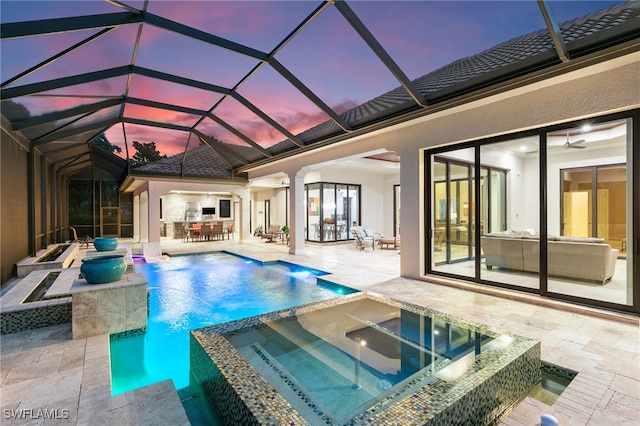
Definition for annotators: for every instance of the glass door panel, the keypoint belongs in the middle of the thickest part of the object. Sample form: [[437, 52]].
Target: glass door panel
[[453, 213], [439, 213], [587, 251], [353, 215], [342, 207], [328, 227], [611, 220], [313, 212], [510, 189], [458, 223], [498, 205]]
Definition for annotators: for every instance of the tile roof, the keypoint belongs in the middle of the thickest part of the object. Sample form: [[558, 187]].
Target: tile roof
[[201, 161], [503, 61]]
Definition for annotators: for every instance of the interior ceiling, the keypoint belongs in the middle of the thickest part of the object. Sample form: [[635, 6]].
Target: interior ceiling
[[600, 136], [192, 77]]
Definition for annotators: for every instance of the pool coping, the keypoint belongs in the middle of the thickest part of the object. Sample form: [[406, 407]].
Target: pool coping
[[265, 405]]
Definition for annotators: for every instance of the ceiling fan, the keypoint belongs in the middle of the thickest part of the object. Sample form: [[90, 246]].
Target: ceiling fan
[[574, 145]]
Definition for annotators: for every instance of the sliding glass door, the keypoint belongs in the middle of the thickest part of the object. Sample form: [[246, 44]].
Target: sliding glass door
[[556, 212], [332, 209]]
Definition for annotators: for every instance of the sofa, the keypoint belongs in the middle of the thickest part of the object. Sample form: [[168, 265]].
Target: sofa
[[589, 259]]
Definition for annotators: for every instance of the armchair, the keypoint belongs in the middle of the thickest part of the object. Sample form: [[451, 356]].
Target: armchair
[[272, 233]]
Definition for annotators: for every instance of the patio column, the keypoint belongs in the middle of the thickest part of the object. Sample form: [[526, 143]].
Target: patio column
[[154, 213], [144, 216], [297, 212], [136, 217], [243, 223]]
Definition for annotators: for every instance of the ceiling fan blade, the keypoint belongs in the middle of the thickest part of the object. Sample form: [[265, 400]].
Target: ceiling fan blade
[[575, 145]]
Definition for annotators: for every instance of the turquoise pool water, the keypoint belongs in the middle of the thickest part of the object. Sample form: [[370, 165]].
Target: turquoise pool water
[[194, 291]]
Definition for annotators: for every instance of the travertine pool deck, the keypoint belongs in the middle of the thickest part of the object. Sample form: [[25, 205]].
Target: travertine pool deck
[[44, 368]]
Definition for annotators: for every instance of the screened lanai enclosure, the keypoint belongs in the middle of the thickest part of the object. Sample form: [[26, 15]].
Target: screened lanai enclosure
[[250, 80], [100, 96]]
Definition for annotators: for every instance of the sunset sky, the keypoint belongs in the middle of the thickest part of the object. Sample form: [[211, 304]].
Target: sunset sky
[[327, 56]]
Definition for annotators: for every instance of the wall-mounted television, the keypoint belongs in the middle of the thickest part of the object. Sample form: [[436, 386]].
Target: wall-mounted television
[[208, 210]]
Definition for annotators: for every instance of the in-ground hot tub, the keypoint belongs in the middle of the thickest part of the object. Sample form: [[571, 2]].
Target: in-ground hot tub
[[362, 358]]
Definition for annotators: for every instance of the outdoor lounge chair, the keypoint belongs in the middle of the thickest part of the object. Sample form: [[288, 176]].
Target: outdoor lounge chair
[[363, 235], [152, 253], [272, 233], [84, 241]]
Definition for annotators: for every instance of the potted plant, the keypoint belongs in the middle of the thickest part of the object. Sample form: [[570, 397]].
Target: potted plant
[[285, 229]]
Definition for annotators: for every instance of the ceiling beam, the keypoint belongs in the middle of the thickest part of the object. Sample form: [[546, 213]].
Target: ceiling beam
[[64, 134], [155, 124], [63, 25], [57, 83], [162, 105], [61, 115], [554, 30], [193, 33], [239, 134], [147, 72], [124, 6], [55, 57], [283, 71], [71, 157], [238, 97], [380, 52], [73, 166], [71, 145]]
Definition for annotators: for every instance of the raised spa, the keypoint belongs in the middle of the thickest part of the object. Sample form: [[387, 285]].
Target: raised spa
[[358, 359]]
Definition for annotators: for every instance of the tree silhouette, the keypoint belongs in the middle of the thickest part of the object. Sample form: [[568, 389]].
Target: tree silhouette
[[145, 152], [104, 143], [15, 111]]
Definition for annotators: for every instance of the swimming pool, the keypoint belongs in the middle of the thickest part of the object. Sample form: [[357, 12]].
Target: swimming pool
[[194, 291]]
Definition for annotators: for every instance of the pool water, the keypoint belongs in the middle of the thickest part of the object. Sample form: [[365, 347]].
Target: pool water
[[194, 291], [348, 357]]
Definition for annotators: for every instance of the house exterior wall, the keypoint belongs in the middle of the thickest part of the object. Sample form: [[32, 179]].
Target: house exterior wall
[[601, 89]]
